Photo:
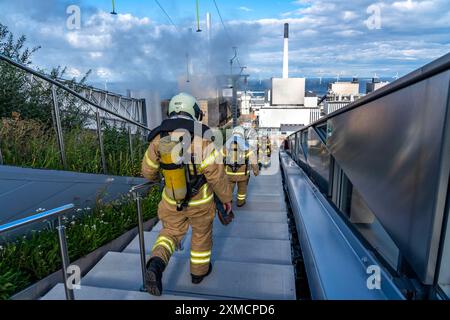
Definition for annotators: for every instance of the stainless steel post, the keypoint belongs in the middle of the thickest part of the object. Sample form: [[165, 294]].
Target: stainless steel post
[[59, 133], [141, 237], [100, 141], [64, 258], [130, 141]]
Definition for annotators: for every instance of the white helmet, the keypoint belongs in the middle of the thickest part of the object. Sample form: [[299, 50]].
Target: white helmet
[[185, 104], [239, 131]]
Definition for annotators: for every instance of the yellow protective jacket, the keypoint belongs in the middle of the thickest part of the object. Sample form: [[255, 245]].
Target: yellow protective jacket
[[241, 174], [211, 167]]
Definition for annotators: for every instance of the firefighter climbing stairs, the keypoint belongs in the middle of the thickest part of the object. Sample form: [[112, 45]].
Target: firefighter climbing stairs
[[251, 258]]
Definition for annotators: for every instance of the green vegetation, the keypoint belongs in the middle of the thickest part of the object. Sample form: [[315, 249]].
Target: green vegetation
[[33, 257], [29, 143], [27, 134], [28, 139]]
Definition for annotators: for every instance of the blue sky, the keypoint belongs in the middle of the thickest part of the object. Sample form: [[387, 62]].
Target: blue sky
[[180, 10], [140, 49]]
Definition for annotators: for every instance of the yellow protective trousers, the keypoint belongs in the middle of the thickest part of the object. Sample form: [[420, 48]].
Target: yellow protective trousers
[[241, 190], [176, 224]]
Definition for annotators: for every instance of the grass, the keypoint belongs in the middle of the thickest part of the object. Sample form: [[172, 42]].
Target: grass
[[31, 143], [35, 256]]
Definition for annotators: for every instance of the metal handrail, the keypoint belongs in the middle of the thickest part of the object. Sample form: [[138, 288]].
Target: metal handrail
[[142, 186], [137, 197], [57, 212], [71, 91]]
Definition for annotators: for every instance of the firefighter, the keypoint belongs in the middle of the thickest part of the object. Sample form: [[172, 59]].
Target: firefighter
[[189, 190], [264, 151], [239, 158]]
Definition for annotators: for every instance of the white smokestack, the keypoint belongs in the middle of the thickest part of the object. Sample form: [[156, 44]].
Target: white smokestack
[[208, 26], [286, 52], [209, 36]]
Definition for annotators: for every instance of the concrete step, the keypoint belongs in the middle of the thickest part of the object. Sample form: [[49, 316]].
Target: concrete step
[[96, 293], [253, 196], [244, 215], [263, 180], [265, 189], [238, 280], [231, 249], [254, 205], [252, 230]]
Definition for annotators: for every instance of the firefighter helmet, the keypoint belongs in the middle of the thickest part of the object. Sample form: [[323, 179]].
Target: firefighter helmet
[[185, 104]]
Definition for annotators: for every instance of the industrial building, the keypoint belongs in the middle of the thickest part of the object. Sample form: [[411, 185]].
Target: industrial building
[[288, 102]]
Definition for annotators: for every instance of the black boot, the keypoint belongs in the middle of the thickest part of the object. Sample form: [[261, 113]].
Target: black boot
[[240, 205], [153, 276], [198, 279]]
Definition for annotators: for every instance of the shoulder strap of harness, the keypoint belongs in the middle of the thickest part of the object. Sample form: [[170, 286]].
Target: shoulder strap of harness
[[170, 125]]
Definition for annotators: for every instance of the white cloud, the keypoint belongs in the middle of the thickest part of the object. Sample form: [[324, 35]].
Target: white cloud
[[325, 35], [104, 73], [410, 5], [96, 54], [246, 9], [72, 72], [348, 33], [349, 15]]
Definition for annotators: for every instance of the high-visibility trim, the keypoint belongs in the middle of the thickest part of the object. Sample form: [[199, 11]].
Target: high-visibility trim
[[201, 254], [241, 196], [163, 244], [170, 241], [205, 199], [209, 160], [231, 173], [150, 162], [200, 261]]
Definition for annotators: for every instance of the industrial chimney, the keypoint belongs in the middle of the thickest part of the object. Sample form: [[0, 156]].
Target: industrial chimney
[[208, 26], [286, 52]]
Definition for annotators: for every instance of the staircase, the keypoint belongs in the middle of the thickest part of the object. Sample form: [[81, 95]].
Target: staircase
[[251, 258]]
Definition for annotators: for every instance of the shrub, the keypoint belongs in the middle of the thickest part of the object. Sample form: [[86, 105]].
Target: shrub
[[31, 143]]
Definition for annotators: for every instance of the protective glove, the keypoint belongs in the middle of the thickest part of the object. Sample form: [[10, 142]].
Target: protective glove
[[224, 212], [227, 207]]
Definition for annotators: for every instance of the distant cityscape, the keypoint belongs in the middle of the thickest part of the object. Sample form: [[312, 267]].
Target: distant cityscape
[[316, 85]]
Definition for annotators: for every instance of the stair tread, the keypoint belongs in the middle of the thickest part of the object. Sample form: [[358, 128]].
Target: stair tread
[[97, 293], [228, 279], [231, 249], [254, 230]]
